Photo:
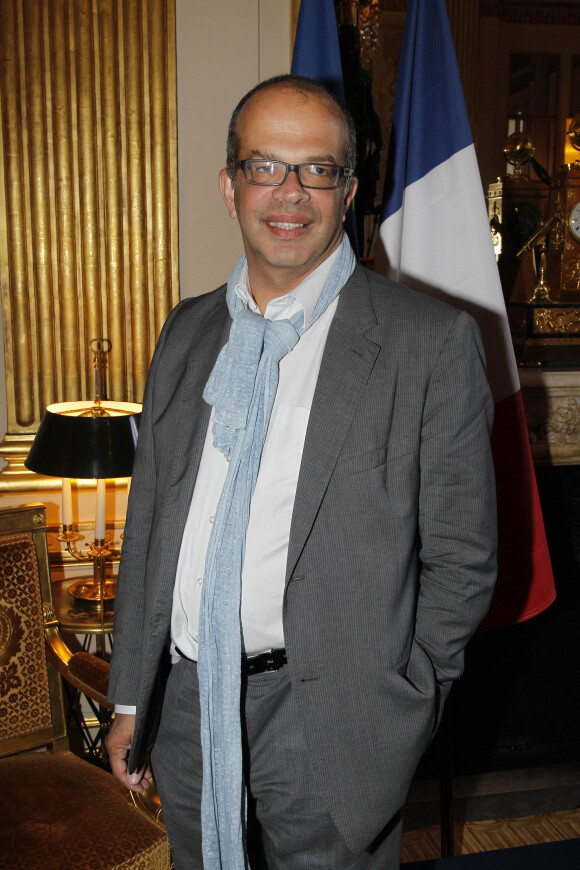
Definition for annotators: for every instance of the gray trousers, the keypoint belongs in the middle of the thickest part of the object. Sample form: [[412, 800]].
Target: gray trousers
[[297, 831]]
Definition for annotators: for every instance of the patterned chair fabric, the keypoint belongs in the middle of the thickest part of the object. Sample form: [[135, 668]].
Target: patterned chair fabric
[[24, 688], [56, 811]]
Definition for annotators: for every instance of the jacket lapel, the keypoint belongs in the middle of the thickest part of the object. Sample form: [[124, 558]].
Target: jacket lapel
[[347, 362], [191, 427]]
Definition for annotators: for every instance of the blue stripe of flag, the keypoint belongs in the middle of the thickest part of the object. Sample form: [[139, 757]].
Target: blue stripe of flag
[[316, 49], [430, 121]]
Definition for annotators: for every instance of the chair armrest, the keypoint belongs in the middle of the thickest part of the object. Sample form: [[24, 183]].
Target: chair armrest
[[85, 671]]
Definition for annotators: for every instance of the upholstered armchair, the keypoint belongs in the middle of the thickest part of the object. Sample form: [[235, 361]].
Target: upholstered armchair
[[56, 810]]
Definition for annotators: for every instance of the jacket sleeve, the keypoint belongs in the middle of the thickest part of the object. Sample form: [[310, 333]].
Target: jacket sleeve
[[130, 595], [457, 511]]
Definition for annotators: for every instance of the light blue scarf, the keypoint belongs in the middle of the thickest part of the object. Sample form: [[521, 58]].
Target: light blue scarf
[[241, 388]]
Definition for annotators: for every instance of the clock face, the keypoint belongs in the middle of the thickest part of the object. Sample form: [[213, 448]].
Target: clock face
[[574, 221]]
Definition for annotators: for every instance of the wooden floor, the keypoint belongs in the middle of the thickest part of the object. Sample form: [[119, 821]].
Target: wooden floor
[[496, 811], [472, 837]]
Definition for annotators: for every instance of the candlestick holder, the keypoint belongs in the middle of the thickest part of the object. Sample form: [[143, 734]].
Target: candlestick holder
[[98, 593]]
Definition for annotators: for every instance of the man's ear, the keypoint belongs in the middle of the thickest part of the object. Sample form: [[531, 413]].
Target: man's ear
[[227, 192], [350, 195]]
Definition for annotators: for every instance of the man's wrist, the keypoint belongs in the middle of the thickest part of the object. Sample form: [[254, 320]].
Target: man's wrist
[[125, 708]]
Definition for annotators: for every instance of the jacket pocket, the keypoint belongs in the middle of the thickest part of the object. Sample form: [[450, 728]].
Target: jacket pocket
[[420, 671], [363, 461]]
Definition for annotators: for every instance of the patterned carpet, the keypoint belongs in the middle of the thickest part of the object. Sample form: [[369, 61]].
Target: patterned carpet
[[498, 834]]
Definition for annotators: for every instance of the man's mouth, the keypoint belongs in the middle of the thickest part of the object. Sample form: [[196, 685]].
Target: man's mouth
[[284, 225]]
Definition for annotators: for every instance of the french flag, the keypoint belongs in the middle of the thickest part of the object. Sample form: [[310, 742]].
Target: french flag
[[435, 238], [316, 49]]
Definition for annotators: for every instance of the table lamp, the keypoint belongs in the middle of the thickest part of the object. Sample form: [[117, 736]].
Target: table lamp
[[87, 440]]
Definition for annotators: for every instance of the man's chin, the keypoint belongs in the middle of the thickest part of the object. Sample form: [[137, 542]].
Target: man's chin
[[286, 256], [295, 259]]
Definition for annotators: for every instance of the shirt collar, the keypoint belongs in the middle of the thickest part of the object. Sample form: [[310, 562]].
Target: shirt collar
[[302, 298]]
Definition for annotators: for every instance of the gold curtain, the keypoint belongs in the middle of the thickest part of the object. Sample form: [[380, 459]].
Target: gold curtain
[[88, 200]]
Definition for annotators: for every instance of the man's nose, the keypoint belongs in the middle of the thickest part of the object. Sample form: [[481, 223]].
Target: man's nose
[[291, 190]]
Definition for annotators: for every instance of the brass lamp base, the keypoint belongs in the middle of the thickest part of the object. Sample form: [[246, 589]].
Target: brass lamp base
[[87, 594]]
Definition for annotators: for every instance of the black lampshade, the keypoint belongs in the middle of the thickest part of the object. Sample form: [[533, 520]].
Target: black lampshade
[[71, 444]]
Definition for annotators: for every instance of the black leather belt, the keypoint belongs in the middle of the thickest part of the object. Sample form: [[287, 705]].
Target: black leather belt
[[259, 663]]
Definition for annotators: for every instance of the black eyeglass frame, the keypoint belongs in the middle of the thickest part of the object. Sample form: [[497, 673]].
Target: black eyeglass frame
[[343, 172]]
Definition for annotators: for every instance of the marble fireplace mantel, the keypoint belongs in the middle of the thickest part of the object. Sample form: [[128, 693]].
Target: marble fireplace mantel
[[552, 404]]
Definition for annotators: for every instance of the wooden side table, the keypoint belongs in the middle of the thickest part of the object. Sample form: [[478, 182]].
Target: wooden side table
[[73, 618], [86, 631]]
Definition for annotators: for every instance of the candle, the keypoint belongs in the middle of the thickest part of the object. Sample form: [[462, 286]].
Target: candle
[[100, 517], [66, 502]]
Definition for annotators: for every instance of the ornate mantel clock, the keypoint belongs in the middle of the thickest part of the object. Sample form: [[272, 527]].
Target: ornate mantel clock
[[545, 324]]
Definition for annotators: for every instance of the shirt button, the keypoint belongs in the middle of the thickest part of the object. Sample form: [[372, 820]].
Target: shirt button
[[199, 581], [212, 518]]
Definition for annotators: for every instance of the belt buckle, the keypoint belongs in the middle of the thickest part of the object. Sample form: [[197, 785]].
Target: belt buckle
[[267, 656], [271, 662], [270, 658]]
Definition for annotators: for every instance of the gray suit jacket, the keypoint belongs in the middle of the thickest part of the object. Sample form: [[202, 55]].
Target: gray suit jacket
[[391, 562]]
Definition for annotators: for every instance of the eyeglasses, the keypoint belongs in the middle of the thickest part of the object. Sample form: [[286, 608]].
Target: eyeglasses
[[323, 176]]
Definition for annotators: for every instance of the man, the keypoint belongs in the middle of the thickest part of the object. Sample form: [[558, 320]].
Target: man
[[311, 531]]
